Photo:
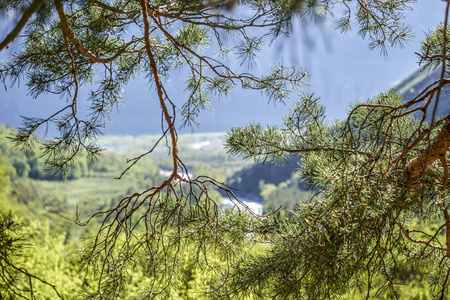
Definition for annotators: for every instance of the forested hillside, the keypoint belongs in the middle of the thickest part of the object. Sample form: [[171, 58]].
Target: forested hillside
[[42, 216], [48, 211]]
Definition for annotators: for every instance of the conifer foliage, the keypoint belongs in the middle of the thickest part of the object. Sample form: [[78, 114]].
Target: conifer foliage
[[377, 176]]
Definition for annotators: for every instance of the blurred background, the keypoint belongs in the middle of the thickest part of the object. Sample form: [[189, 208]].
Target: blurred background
[[342, 70]]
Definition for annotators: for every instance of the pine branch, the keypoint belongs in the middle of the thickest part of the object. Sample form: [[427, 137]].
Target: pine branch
[[21, 24]]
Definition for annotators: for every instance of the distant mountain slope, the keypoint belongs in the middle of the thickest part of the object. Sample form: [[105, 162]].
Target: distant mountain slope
[[247, 181], [414, 84]]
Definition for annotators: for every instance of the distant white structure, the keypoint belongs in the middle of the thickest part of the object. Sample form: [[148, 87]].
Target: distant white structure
[[200, 145], [255, 207], [167, 173]]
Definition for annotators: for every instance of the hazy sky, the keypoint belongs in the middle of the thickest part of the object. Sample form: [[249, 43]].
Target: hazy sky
[[342, 67]]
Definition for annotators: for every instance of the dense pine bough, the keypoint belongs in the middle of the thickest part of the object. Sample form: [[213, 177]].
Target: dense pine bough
[[364, 223], [375, 175]]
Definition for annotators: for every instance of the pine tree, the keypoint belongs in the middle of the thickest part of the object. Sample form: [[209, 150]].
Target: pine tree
[[380, 204], [375, 175]]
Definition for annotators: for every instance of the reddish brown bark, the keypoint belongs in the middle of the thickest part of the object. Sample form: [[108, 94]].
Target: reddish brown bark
[[437, 150], [21, 24]]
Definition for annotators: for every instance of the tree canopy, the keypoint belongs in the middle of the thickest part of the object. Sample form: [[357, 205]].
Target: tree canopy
[[376, 177]]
